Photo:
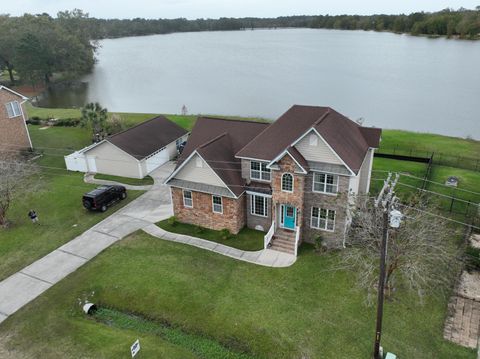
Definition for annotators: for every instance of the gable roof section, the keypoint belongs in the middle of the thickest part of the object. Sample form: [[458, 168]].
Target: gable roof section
[[14, 92], [147, 137], [345, 137], [217, 140]]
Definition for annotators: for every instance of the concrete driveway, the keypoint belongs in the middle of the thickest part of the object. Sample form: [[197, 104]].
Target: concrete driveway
[[27, 284]]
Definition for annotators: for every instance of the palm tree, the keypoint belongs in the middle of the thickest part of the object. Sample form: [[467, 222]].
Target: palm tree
[[94, 116]]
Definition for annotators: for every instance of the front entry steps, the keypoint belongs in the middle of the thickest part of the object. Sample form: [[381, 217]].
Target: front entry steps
[[283, 241]]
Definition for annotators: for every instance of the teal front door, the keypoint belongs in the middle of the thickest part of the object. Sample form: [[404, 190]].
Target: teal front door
[[289, 216]]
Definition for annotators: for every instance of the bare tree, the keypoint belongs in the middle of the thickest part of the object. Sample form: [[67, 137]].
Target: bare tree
[[15, 178], [421, 257]]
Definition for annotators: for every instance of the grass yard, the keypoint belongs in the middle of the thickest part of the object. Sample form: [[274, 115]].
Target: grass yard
[[304, 311], [126, 180], [247, 239], [404, 141], [62, 217]]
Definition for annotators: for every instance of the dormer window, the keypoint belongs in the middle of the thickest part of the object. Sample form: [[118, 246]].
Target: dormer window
[[313, 140], [13, 109], [287, 182], [259, 171]]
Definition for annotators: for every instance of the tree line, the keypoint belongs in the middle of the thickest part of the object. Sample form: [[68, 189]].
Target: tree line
[[37, 46]]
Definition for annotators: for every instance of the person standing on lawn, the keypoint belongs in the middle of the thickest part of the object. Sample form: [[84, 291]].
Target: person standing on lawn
[[33, 216]]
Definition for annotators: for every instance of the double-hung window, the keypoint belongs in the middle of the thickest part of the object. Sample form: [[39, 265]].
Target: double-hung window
[[258, 206], [323, 219], [325, 183], [187, 199], [259, 171], [217, 204], [13, 109]]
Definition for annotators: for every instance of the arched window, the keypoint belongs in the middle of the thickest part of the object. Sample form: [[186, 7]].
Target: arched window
[[287, 182]]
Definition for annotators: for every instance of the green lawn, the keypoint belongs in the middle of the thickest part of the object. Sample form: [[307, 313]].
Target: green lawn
[[247, 239], [58, 202], [308, 310], [404, 141], [126, 180]]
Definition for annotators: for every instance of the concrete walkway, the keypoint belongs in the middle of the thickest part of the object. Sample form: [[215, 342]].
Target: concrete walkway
[[264, 257], [27, 284], [90, 178]]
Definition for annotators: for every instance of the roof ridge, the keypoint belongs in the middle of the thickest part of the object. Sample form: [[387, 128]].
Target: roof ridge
[[317, 122], [234, 119], [212, 140], [139, 124]]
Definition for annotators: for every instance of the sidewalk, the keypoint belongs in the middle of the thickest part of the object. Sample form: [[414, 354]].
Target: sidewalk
[[90, 178], [264, 257]]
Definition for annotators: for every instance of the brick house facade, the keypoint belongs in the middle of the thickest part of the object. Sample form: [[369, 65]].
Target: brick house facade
[[293, 178], [13, 129]]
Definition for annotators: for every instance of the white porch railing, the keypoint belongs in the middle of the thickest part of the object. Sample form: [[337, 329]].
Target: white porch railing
[[297, 238], [268, 237]]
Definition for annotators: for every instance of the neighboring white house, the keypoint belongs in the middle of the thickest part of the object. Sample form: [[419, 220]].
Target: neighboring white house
[[131, 153]]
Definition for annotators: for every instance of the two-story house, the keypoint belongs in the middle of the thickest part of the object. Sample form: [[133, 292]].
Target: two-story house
[[14, 134], [292, 178]]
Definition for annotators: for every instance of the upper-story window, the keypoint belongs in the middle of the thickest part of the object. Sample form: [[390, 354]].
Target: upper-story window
[[13, 109], [313, 140], [287, 182], [259, 171], [198, 162], [325, 183]]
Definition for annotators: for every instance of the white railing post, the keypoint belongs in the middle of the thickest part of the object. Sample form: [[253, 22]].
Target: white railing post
[[297, 238], [268, 237]]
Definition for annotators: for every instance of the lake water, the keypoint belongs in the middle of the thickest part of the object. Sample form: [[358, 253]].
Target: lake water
[[392, 81]]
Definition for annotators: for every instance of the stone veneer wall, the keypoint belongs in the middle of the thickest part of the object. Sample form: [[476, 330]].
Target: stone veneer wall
[[338, 203], [295, 198], [13, 132], [233, 217]]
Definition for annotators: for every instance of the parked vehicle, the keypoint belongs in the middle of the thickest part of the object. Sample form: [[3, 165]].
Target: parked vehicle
[[103, 197]]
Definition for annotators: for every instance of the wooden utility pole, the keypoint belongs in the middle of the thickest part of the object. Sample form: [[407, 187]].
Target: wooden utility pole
[[385, 199]]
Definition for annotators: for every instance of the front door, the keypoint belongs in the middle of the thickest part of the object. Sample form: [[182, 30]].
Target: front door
[[289, 216]]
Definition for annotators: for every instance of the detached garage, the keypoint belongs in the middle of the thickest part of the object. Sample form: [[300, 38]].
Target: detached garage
[[132, 153]]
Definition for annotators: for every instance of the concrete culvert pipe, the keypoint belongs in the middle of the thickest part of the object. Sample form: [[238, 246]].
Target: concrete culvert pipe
[[89, 308]]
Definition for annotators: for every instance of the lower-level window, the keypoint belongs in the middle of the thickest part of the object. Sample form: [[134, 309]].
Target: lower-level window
[[13, 109], [187, 199], [259, 206], [323, 218], [217, 204]]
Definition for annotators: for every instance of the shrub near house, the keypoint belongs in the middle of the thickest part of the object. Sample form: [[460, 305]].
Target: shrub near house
[[292, 178]]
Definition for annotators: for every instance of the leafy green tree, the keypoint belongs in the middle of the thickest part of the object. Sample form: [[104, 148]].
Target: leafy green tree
[[94, 117]]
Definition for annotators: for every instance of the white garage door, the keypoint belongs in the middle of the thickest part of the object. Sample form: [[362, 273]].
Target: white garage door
[[156, 160]]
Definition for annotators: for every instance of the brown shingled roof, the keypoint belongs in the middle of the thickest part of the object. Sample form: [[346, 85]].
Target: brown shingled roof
[[217, 140], [147, 137], [345, 137]]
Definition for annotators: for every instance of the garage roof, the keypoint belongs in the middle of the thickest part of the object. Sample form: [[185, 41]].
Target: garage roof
[[147, 137]]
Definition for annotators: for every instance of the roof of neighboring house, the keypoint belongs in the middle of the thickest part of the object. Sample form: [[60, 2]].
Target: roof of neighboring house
[[14, 92], [217, 140], [349, 140], [147, 137]]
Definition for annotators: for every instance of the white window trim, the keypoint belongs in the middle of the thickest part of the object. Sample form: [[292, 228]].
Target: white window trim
[[213, 204], [260, 170], [325, 184], [326, 220], [265, 206], [10, 104], [183, 196], [293, 182]]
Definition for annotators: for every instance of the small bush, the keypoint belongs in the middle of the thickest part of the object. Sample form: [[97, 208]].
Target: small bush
[[199, 229], [34, 120], [225, 234], [473, 258], [67, 122], [318, 243], [172, 221]]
